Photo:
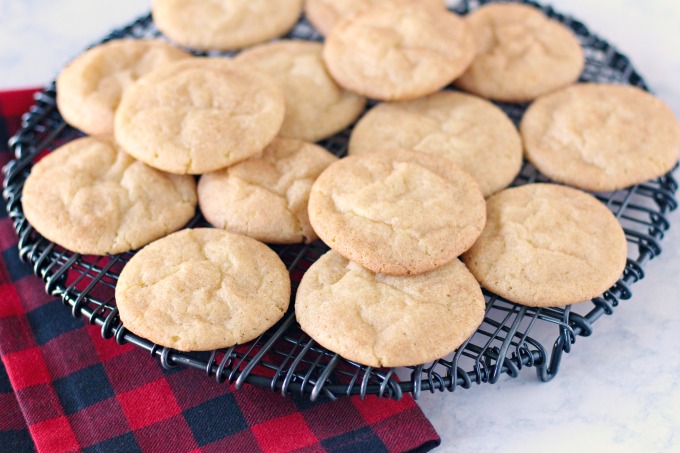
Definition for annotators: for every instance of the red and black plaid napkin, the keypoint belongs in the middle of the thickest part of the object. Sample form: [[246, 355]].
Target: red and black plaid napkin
[[64, 388]]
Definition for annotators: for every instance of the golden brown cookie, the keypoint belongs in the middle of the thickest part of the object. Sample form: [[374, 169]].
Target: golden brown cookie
[[546, 245], [224, 24], [397, 52], [266, 197], [386, 320], [199, 115], [90, 87], [601, 137], [92, 198], [397, 212], [324, 14], [469, 131], [521, 54], [202, 289], [316, 106]]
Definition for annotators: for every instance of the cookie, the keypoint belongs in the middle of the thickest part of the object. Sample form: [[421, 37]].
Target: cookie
[[90, 197], [386, 320], [199, 115], [266, 197], [202, 289], [397, 212], [316, 106], [469, 131], [546, 245], [224, 24], [601, 137], [397, 52], [324, 14], [521, 54], [90, 87]]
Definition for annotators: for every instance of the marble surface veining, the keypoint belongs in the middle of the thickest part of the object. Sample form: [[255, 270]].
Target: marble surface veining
[[619, 390]]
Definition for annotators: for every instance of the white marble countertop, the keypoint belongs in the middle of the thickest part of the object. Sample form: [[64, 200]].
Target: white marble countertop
[[619, 390]]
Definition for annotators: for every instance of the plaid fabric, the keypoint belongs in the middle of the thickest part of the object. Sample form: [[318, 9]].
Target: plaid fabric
[[64, 388]]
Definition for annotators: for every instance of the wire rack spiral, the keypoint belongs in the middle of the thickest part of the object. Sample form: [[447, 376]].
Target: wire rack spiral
[[285, 359]]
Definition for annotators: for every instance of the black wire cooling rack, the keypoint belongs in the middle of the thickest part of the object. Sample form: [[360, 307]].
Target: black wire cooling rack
[[285, 359]]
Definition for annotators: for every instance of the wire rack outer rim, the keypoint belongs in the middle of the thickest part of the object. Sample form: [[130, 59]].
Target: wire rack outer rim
[[237, 367]]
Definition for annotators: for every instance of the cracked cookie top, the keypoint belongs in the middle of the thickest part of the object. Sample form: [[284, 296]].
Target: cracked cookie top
[[469, 131], [601, 137], [92, 198], [224, 24], [397, 212], [90, 87], [547, 245], [199, 115], [384, 320], [324, 14], [521, 54], [398, 51], [266, 197], [202, 289], [316, 106]]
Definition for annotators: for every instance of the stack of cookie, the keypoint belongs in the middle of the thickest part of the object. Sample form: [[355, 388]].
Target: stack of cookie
[[392, 292], [424, 183]]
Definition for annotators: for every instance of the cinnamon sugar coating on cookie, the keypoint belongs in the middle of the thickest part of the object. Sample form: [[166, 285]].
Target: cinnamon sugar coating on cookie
[[199, 115], [521, 54], [316, 106], [266, 197], [202, 289], [224, 24], [397, 212], [469, 131], [92, 198], [548, 245], [397, 52], [324, 14], [90, 87], [601, 137], [386, 321]]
